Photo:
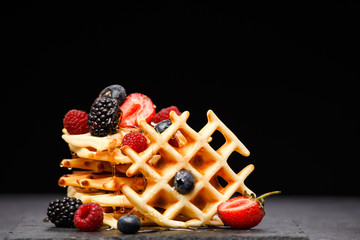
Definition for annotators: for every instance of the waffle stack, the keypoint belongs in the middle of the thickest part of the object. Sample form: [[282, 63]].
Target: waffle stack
[[99, 168], [123, 181]]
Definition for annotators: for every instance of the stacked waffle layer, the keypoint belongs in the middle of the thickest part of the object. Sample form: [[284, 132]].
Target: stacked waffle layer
[[123, 181], [99, 167]]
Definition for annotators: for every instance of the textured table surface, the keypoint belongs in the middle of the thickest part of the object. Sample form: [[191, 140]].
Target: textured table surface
[[286, 218]]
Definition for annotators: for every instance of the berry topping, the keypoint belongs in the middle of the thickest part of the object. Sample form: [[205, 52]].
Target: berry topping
[[162, 126], [114, 91], [89, 217], [129, 224], [104, 117], [75, 122], [165, 114], [61, 211], [135, 140], [184, 181], [136, 107], [243, 212]]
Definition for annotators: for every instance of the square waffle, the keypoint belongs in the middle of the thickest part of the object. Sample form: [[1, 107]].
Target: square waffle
[[160, 202]]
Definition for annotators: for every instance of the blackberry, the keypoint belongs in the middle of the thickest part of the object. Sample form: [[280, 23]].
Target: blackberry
[[104, 117], [61, 211]]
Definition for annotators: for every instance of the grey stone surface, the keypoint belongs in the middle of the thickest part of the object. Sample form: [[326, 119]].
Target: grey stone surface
[[31, 227], [21, 217], [326, 217]]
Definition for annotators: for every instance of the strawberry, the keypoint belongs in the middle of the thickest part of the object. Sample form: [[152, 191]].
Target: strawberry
[[136, 107], [164, 114], [243, 212]]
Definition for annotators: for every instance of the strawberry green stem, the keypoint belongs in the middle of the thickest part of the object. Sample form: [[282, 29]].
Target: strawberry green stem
[[268, 194]]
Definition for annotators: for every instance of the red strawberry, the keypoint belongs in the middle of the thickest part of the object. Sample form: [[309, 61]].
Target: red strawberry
[[243, 212], [75, 122], [165, 114], [136, 107]]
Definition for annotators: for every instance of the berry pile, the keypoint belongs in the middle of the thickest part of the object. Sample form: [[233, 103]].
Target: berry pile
[[61, 212], [114, 109]]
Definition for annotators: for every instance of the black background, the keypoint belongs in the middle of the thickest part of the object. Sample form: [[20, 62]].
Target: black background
[[282, 76]]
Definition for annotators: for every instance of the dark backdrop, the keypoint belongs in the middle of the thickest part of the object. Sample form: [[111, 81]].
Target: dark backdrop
[[282, 77]]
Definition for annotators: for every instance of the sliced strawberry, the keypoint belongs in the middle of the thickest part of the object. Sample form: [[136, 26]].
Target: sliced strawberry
[[136, 107]]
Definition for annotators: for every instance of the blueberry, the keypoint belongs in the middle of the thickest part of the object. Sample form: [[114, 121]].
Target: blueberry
[[184, 181], [163, 125], [129, 224], [114, 91]]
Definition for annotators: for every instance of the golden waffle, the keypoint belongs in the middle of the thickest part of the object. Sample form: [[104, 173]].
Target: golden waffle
[[160, 202], [104, 198], [103, 148], [97, 143], [100, 180], [113, 155], [94, 165], [99, 148], [114, 205]]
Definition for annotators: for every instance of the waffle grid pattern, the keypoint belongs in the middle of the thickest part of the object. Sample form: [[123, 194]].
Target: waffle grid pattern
[[160, 202]]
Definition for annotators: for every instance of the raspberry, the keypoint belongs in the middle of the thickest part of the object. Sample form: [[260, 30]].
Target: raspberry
[[89, 217], [165, 114], [75, 122], [61, 211], [136, 141]]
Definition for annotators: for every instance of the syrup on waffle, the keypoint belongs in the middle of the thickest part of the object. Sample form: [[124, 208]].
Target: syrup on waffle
[[146, 190], [160, 202], [100, 180], [114, 205]]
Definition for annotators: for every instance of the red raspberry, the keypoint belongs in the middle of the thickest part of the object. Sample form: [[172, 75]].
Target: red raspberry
[[75, 122], [89, 217], [136, 141], [165, 114]]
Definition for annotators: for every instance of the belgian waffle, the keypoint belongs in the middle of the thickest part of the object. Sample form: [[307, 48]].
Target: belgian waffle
[[160, 202], [100, 180], [146, 190], [94, 165]]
